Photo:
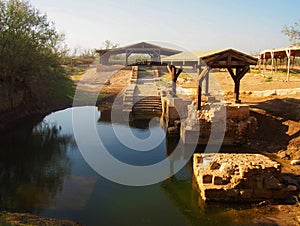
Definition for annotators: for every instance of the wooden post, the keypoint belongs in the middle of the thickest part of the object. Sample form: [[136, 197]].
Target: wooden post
[[240, 73], [293, 63], [201, 77], [237, 90], [126, 59], [272, 56], [174, 74], [207, 85], [288, 53], [264, 64], [199, 94]]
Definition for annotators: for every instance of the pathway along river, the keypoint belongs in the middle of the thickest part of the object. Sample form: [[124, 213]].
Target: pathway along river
[[42, 172]]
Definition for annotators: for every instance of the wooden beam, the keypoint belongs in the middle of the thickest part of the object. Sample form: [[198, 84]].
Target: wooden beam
[[243, 58], [201, 77], [216, 58], [231, 73], [242, 72]]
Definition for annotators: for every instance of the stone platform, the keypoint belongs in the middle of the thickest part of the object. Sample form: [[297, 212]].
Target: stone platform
[[233, 121], [240, 178]]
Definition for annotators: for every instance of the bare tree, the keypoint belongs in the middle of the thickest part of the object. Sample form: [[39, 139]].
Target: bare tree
[[293, 32], [110, 45]]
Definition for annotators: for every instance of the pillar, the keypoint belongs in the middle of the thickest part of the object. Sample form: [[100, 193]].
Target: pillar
[[174, 74], [288, 53]]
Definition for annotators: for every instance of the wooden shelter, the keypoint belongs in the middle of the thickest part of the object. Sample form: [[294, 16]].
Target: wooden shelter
[[87, 61], [154, 51], [237, 63], [288, 53]]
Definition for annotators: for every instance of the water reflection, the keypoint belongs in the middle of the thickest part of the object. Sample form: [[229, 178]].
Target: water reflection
[[42, 171], [33, 164]]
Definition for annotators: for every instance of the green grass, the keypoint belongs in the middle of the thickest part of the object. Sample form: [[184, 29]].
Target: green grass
[[3, 222], [76, 78], [74, 70], [63, 90], [101, 96], [269, 79]]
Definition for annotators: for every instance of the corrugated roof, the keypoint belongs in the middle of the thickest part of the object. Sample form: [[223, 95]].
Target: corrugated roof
[[295, 47], [142, 46]]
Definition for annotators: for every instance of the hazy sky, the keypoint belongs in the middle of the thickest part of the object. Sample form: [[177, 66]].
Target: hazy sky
[[247, 25]]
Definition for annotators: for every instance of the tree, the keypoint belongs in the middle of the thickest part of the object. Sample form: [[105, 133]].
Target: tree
[[293, 32], [30, 53], [109, 45]]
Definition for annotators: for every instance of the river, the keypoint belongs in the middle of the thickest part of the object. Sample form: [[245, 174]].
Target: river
[[43, 172]]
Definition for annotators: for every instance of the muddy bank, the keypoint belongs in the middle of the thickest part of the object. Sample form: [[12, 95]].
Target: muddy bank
[[28, 114], [24, 219]]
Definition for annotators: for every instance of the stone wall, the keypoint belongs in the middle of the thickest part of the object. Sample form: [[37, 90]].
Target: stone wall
[[231, 120], [240, 178]]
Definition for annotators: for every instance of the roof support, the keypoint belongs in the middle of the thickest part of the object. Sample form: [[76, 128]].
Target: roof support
[[174, 74], [203, 74], [288, 54], [264, 64], [272, 57], [239, 74]]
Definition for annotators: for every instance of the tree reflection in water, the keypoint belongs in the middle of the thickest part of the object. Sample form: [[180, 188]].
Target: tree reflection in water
[[33, 165]]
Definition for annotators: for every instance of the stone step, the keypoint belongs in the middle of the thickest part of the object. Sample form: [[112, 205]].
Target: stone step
[[143, 113], [141, 105], [148, 103], [146, 108]]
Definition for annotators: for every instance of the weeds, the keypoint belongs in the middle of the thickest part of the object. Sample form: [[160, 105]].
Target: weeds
[[269, 79]]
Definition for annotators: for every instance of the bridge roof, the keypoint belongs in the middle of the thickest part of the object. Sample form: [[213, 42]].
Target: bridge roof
[[140, 48]]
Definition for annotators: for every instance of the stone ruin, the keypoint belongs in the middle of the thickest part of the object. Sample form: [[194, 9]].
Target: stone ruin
[[233, 120], [240, 178]]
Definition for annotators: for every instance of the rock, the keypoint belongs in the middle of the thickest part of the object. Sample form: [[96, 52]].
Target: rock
[[240, 178], [172, 130], [227, 169], [292, 188], [107, 82], [295, 162]]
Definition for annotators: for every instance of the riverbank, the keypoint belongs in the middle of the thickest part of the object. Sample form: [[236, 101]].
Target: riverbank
[[29, 106], [25, 219]]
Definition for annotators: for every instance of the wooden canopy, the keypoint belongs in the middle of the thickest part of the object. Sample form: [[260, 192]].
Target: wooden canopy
[[237, 63], [155, 52], [213, 58], [281, 53]]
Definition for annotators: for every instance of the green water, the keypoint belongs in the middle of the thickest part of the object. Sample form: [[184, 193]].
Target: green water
[[43, 172]]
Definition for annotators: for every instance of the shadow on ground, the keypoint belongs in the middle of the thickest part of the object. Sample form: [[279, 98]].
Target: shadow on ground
[[278, 124]]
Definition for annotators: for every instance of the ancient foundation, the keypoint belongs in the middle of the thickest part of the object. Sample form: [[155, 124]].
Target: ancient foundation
[[240, 178], [231, 124]]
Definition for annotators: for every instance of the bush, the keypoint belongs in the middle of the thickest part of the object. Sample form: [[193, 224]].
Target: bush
[[31, 50]]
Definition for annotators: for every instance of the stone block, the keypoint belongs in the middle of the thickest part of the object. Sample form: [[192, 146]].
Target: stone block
[[240, 177], [215, 166], [220, 180], [246, 194], [207, 179], [272, 183]]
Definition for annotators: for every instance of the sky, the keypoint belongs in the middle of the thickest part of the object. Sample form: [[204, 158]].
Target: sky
[[245, 25]]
